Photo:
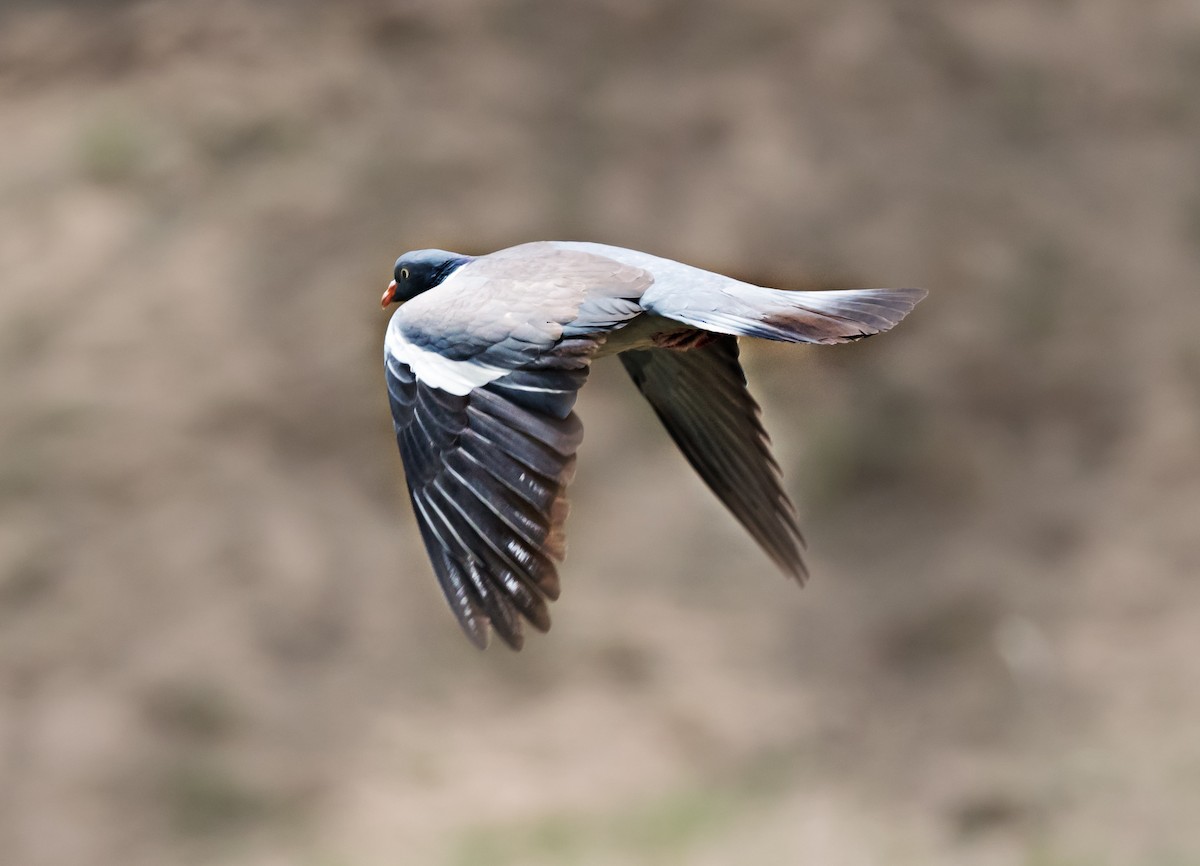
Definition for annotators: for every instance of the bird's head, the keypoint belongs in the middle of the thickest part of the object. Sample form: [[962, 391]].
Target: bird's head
[[420, 271]]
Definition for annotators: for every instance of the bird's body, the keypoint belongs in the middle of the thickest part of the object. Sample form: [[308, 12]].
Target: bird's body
[[484, 359]]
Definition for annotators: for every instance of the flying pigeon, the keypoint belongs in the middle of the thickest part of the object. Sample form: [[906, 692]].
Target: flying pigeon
[[483, 361]]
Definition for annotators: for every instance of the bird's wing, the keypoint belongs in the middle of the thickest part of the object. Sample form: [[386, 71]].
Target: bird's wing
[[701, 398], [482, 380], [487, 473]]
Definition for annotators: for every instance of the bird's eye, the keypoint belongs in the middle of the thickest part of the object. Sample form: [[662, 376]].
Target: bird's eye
[[404, 273]]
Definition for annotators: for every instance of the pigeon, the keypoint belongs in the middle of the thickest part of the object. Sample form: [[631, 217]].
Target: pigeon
[[484, 358]]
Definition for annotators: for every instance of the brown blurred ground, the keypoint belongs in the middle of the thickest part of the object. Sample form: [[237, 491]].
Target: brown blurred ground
[[219, 639]]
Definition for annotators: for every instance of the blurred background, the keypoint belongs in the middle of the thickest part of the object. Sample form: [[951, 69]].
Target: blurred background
[[220, 640]]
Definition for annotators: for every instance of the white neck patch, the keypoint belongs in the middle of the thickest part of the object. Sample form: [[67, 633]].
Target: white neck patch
[[436, 370]]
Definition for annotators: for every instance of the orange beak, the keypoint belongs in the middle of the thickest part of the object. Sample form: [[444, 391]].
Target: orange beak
[[389, 295]]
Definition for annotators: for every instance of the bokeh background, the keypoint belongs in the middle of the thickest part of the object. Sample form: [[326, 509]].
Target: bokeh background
[[220, 641]]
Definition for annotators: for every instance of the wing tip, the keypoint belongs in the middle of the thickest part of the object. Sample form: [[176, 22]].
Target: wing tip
[[796, 570], [476, 627], [787, 556], [506, 619]]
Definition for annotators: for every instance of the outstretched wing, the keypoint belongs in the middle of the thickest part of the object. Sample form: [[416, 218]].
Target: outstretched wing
[[482, 373], [701, 398], [487, 473]]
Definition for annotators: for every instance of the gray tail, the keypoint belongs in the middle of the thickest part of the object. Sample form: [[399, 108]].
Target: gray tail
[[799, 317]]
